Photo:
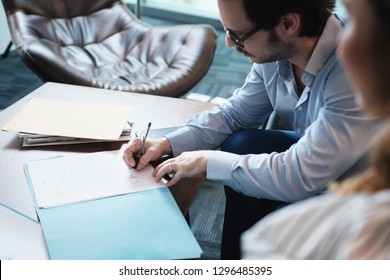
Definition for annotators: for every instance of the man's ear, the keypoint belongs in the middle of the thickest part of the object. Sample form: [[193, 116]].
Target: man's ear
[[290, 25]]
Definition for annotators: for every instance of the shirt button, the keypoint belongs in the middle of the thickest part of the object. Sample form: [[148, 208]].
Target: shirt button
[[299, 108]]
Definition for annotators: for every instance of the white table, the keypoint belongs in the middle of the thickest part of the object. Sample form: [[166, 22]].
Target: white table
[[161, 111]]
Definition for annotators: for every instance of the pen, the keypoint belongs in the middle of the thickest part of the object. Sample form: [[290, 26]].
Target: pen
[[139, 153]]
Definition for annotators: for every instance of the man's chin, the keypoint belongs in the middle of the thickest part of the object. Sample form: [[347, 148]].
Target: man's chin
[[246, 54]]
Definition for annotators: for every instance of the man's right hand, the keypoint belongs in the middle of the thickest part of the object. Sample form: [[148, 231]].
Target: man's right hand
[[153, 150]]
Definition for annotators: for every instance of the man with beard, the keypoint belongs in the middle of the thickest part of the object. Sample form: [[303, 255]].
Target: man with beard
[[296, 73]]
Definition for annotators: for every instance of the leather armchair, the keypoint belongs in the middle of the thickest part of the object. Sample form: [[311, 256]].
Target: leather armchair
[[101, 43]]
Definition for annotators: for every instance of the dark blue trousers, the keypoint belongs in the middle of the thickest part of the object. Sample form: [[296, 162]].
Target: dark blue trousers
[[242, 212]]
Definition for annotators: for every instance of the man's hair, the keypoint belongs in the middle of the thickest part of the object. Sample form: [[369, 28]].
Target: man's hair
[[313, 13]]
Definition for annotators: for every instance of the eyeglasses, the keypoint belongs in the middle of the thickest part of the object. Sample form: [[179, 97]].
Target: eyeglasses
[[240, 41]]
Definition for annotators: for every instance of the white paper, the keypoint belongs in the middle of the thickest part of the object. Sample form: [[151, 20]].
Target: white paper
[[67, 180]]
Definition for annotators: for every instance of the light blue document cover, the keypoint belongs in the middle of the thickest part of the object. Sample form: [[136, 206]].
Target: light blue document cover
[[143, 225]]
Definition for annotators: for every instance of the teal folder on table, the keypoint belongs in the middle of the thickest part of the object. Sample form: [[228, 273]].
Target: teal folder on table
[[141, 225]]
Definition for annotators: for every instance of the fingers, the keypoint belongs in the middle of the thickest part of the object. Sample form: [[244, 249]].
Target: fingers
[[167, 168], [144, 160], [130, 152], [188, 164], [153, 150], [126, 162]]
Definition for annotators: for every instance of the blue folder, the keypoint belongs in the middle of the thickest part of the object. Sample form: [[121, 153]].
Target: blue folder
[[144, 225]]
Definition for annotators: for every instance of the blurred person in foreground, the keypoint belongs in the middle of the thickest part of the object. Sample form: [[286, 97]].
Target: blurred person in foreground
[[352, 221], [295, 73]]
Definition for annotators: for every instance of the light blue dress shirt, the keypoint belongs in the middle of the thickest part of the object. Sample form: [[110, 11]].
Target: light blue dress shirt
[[335, 132]]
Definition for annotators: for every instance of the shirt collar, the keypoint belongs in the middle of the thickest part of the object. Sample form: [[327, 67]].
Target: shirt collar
[[326, 46]]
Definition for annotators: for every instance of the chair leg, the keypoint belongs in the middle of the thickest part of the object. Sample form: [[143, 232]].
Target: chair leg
[[6, 52]]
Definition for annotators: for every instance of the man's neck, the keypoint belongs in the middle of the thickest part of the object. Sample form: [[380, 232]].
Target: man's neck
[[305, 45], [299, 61], [298, 72]]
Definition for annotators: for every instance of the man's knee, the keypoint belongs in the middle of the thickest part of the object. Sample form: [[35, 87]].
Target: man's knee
[[256, 141], [237, 143]]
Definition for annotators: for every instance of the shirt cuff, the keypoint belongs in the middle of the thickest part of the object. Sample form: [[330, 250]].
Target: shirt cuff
[[180, 140], [219, 166]]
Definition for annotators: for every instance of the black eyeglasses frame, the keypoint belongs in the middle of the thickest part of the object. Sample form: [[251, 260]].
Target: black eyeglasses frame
[[240, 41]]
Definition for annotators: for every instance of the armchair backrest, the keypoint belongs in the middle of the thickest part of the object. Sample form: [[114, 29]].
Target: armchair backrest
[[59, 8]]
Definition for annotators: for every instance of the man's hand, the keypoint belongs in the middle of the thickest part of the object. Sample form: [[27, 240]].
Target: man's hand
[[153, 150], [188, 164]]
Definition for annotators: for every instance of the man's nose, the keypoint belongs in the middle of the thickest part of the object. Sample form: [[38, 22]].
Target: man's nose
[[229, 42]]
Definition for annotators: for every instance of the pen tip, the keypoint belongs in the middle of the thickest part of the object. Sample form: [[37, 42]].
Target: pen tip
[[149, 124]]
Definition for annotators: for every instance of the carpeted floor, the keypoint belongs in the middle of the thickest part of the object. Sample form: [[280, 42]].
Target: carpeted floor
[[16, 80], [228, 71], [206, 217]]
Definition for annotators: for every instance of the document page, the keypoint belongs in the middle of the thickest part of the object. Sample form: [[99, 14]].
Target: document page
[[66, 180]]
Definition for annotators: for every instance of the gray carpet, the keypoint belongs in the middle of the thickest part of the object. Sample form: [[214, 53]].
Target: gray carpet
[[206, 216], [227, 72], [16, 80]]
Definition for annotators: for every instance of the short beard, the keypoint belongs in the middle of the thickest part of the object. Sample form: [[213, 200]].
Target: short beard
[[280, 50]]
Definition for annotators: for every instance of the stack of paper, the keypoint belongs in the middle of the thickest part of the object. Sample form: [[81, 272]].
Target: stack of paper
[[51, 122], [33, 139]]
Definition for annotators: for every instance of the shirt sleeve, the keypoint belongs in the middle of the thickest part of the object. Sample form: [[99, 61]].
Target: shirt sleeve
[[339, 138], [248, 107]]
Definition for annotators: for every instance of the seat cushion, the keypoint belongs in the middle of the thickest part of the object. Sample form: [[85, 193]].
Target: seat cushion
[[110, 48]]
